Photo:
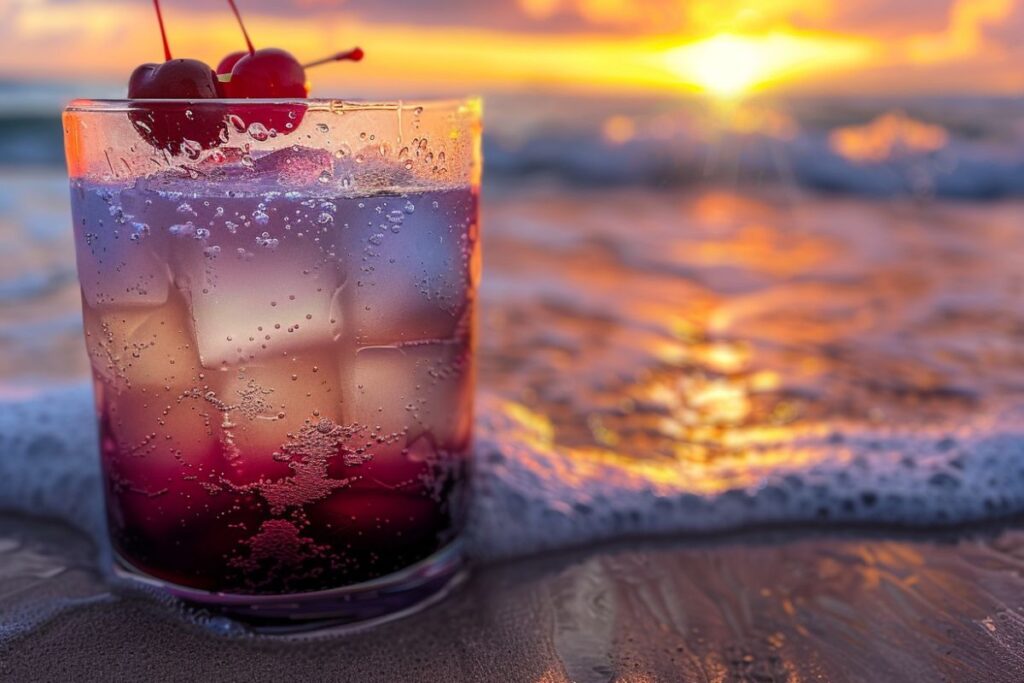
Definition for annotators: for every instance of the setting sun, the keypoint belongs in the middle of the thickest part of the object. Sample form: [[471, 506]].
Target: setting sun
[[728, 65]]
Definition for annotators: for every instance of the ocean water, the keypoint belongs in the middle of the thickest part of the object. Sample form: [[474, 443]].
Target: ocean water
[[679, 337], [949, 147]]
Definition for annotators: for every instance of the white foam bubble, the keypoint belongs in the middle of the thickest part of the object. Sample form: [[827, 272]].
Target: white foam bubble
[[50, 466]]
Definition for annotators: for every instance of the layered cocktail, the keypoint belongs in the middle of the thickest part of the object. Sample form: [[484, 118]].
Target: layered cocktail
[[281, 337], [279, 310]]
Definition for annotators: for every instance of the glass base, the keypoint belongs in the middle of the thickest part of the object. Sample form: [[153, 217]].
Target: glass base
[[353, 607]]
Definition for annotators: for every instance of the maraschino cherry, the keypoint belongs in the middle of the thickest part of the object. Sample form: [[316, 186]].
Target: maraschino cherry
[[169, 126], [269, 73], [226, 64]]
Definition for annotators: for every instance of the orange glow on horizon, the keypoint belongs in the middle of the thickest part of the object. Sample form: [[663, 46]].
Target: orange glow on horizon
[[722, 51]]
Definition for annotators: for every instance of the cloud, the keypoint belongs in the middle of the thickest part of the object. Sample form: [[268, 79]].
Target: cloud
[[964, 34], [867, 17]]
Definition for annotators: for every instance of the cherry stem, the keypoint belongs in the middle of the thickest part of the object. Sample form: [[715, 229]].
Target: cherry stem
[[355, 54], [163, 33], [234, 8]]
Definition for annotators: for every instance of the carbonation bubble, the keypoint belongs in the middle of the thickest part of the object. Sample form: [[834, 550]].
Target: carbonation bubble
[[258, 132]]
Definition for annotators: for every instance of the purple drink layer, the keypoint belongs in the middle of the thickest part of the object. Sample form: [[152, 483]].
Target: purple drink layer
[[284, 376]]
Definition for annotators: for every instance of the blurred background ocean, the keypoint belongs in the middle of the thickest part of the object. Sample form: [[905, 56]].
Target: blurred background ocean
[[947, 146]]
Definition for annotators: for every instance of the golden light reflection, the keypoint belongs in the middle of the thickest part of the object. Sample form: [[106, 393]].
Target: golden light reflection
[[618, 129], [700, 466], [886, 136]]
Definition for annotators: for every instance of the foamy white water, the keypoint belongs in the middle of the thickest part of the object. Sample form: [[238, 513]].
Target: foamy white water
[[531, 496]]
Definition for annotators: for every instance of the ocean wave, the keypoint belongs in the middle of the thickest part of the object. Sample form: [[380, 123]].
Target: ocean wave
[[890, 154], [961, 147]]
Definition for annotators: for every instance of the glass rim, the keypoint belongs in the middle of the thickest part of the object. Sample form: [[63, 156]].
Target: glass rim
[[472, 102]]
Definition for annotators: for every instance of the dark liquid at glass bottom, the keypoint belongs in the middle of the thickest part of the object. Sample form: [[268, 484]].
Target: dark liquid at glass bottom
[[334, 610], [213, 529]]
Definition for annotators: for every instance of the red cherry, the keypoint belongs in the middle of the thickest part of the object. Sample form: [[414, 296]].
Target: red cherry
[[178, 79], [228, 63], [268, 73], [167, 125], [271, 73]]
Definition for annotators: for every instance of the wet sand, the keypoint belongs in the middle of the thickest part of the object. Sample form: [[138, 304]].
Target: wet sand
[[757, 606]]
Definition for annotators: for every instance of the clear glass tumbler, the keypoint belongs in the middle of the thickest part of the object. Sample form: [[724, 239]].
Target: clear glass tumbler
[[279, 311]]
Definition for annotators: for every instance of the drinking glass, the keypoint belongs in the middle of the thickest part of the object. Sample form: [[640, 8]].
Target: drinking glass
[[279, 302]]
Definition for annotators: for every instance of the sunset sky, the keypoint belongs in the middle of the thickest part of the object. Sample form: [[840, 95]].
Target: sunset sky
[[724, 47]]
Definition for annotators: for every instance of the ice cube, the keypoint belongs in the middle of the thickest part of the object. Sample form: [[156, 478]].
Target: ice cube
[[366, 172], [267, 403], [261, 276], [161, 433], [119, 254], [412, 260], [413, 401], [165, 441], [143, 349], [296, 165]]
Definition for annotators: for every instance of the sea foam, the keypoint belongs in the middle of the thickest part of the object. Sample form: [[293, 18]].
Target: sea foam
[[531, 496]]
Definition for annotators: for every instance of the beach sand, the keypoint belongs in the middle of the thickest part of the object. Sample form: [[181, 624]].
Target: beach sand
[[757, 606]]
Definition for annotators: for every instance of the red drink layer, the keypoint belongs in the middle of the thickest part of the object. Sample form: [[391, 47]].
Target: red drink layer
[[284, 377]]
